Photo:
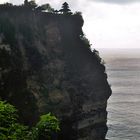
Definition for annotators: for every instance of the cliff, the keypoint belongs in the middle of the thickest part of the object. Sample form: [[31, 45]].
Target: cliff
[[47, 66]]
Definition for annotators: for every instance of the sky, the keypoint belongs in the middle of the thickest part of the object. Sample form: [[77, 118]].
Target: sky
[[107, 23]]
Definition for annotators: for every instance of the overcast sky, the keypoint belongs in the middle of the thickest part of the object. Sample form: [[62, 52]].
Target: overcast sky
[[108, 23]]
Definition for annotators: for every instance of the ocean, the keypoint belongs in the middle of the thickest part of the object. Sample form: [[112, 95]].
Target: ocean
[[123, 69]]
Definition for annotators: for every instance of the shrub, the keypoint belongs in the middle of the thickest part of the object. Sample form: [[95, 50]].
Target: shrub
[[85, 40], [47, 127], [10, 129], [78, 13], [8, 114]]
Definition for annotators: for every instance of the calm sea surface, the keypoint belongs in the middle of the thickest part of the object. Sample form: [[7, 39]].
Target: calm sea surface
[[123, 68]]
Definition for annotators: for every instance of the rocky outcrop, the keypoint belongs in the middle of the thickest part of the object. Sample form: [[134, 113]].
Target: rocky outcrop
[[46, 65]]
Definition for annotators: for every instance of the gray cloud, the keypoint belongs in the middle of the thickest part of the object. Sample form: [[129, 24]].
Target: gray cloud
[[16, 1], [117, 1], [72, 2]]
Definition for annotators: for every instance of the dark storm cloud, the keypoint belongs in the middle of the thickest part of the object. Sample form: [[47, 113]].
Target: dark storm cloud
[[117, 1]]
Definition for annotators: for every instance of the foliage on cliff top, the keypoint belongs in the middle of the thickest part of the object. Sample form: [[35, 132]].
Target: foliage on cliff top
[[65, 8], [11, 129], [32, 6]]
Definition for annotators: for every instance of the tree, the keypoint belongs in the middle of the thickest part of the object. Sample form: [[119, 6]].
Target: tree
[[46, 7], [78, 13], [85, 40], [47, 126], [11, 129], [25, 2], [32, 4], [56, 11], [65, 8]]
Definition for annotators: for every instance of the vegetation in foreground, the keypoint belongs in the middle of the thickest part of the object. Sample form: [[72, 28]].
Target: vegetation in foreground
[[11, 129]]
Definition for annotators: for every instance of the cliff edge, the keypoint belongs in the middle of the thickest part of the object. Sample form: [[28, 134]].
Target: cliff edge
[[46, 65]]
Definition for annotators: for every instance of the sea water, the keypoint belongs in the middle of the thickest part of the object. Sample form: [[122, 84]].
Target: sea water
[[123, 69]]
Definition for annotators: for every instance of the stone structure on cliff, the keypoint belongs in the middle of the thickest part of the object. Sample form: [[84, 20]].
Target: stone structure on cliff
[[46, 66]]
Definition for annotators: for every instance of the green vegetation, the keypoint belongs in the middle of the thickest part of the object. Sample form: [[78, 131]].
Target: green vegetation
[[47, 126], [32, 6], [46, 7], [78, 13], [65, 8], [100, 60], [10, 129], [85, 40]]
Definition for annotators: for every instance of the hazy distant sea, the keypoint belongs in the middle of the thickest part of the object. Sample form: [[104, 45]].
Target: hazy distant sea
[[123, 68]]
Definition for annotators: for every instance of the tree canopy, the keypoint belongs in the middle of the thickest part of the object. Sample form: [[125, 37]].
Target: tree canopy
[[11, 129], [65, 8], [25, 2], [30, 4], [46, 7]]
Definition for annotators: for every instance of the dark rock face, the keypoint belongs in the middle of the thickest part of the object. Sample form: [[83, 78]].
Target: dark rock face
[[45, 66]]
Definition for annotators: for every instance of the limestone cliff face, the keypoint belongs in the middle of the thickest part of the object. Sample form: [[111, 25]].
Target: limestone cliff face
[[46, 66]]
